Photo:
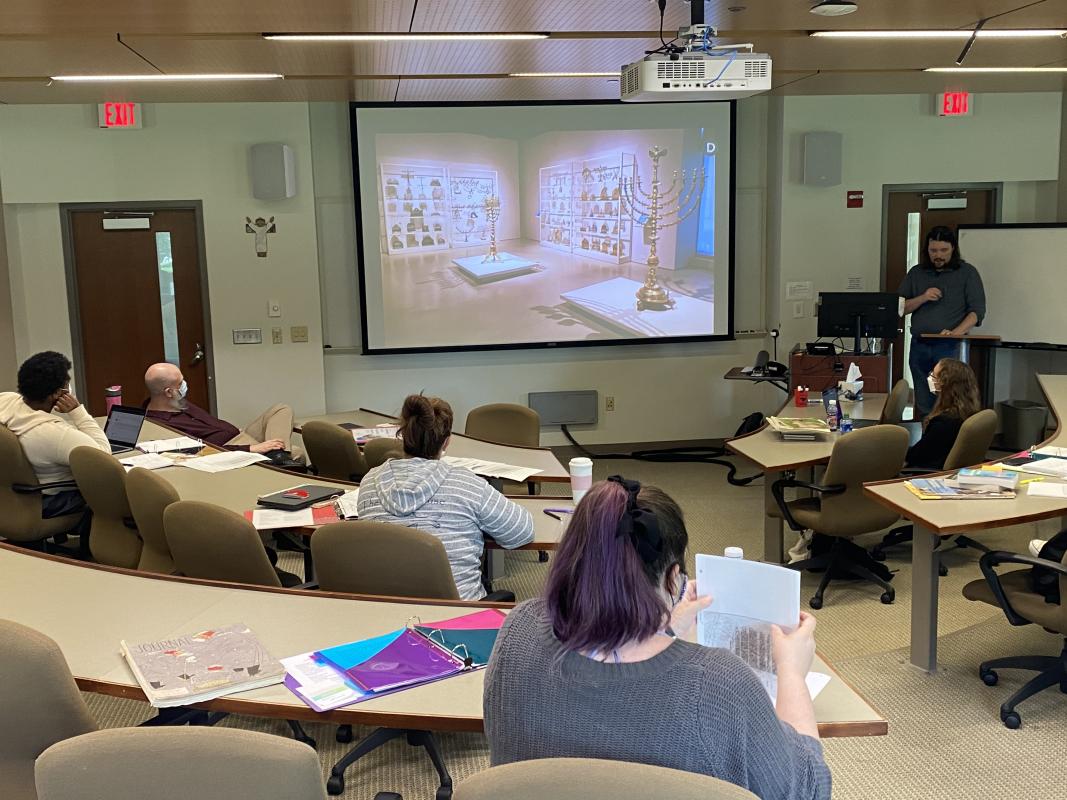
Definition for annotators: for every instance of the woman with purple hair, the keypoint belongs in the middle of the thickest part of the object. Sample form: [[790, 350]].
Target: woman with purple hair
[[595, 667]]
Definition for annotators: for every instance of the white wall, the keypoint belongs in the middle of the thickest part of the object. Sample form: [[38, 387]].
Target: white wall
[[55, 154]]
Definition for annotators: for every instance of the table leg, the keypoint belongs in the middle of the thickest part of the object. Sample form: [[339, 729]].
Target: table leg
[[924, 563], [772, 526]]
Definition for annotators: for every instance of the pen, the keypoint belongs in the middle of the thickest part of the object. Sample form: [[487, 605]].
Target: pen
[[555, 512]]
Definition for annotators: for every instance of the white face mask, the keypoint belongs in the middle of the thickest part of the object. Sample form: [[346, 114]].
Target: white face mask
[[181, 391], [931, 384]]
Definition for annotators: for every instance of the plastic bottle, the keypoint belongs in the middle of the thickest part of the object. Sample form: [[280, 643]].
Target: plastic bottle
[[734, 552], [832, 417], [846, 424]]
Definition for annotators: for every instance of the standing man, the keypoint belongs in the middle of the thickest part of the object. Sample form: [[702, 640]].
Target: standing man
[[944, 294]]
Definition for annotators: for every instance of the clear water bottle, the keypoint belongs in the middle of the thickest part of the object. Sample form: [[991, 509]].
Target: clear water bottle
[[846, 424], [832, 417], [734, 552]]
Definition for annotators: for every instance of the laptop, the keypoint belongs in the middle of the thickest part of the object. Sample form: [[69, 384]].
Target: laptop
[[123, 426], [299, 497]]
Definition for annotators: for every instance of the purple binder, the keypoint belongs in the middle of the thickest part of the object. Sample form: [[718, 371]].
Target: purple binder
[[408, 660]]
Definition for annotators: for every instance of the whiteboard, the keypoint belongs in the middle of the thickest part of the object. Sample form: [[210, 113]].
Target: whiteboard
[[1024, 271]]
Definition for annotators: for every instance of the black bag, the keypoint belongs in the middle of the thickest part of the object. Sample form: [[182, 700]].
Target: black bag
[[1045, 581], [753, 422]]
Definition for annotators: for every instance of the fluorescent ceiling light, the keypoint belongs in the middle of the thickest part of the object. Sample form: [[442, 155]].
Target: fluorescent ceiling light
[[994, 70], [161, 77], [564, 75], [401, 37], [985, 33]]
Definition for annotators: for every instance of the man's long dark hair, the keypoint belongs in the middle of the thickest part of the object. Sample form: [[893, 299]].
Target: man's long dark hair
[[940, 233]]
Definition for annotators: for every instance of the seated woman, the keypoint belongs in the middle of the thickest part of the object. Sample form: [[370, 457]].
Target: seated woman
[[452, 503], [595, 668], [954, 384]]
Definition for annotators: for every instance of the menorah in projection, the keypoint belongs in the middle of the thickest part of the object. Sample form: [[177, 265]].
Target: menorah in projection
[[658, 209]]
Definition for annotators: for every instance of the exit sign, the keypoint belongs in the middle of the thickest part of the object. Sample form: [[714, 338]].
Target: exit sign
[[954, 104], [119, 115]]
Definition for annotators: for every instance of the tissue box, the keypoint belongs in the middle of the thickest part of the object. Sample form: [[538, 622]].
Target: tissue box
[[850, 390]]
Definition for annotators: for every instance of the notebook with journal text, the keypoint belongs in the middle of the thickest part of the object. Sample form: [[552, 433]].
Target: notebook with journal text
[[123, 427]]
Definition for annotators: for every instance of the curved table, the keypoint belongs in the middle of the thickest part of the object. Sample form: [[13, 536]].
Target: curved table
[[88, 609], [933, 519]]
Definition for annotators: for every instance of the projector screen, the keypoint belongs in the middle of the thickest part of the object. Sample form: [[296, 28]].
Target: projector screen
[[505, 226]]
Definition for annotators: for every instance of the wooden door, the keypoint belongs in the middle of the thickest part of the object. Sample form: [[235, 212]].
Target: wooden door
[[139, 302], [909, 216]]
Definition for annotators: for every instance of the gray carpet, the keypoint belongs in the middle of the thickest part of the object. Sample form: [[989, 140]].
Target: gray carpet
[[945, 737]]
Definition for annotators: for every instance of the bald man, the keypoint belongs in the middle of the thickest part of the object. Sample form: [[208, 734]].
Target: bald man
[[269, 433]]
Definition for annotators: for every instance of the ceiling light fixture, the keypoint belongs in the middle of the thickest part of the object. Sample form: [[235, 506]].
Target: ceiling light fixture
[[159, 77], [995, 70], [564, 75], [833, 8], [402, 37], [1000, 33]]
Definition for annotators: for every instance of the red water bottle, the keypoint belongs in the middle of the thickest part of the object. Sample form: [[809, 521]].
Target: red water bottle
[[112, 397]]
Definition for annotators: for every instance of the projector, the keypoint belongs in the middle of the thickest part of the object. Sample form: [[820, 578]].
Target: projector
[[695, 76]]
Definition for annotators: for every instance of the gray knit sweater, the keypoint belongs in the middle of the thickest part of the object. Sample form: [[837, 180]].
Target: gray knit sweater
[[690, 708]]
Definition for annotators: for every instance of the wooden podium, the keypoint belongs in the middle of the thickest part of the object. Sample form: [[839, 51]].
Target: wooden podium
[[818, 372], [964, 342]]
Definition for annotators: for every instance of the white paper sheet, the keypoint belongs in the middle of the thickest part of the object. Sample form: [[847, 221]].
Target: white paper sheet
[[1055, 467], [223, 462], [265, 519], [346, 504], [362, 435], [320, 686], [816, 682], [1059, 452], [1046, 489], [146, 461], [167, 445], [494, 469]]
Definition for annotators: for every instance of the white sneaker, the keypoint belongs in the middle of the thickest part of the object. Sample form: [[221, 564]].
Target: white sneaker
[[1036, 545], [802, 549]]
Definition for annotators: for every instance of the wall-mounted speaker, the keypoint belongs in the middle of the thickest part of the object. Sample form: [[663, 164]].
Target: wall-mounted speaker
[[273, 171], [822, 158]]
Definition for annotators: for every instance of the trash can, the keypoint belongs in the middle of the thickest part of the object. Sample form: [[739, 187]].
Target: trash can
[[1022, 423]]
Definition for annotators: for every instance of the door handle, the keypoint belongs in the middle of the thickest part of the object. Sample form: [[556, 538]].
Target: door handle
[[198, 355]]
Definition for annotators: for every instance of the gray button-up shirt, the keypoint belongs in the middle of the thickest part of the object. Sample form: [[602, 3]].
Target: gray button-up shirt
[[961, 293]]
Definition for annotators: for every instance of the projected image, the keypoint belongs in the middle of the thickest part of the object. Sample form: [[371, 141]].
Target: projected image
[[549, 236]]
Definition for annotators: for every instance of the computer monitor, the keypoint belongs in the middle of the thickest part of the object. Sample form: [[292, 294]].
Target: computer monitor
[[862, 315]]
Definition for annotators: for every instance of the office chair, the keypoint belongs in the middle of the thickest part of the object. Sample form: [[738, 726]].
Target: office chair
[[1012, 592], [178, 764], [20, 501], [149, 496], [972, 442], [332, 451], [896, 404], [377, 451], [113, 535], [841, 511], [593, 779], [39, 703], [207, 541]]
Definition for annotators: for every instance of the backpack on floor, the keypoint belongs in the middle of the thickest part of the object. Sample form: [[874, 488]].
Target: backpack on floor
[[1045, 581], [753, 422]]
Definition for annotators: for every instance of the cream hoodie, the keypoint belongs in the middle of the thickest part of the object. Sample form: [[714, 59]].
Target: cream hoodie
[[47, 439]]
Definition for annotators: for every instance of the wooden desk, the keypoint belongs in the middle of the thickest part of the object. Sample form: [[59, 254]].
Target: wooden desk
[[88, 609], [817, 372], [935, 518], [462, 446], [964, 341], [772, 455]]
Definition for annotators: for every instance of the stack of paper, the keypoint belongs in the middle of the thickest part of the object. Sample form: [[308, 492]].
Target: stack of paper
[[267, 519], [364, 435], [949, 489], [223, 462], [492, 469], [169, 445], [1054, 467], [146, 461], [1044, 489]]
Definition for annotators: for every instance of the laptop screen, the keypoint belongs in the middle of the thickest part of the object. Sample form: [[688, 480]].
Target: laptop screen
[[124, 425]]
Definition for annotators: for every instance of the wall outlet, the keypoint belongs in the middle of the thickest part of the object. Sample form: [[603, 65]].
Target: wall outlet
[[798, 309], [247, 336], [274, 308], [609, 403], [298, 333], [276, 335]]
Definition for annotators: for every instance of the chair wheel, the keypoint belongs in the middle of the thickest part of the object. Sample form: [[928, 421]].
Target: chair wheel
[[542, 556], [344, 734], [942, 570], [1011, 720], [888, 596], [989, 676], [815, 602], [878, 554], [335, 784]]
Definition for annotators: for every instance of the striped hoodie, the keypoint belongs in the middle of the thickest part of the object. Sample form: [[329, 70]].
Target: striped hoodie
[[453, 504]]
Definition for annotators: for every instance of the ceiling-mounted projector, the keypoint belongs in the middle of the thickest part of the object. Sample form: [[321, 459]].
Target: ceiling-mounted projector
[[695, 76]]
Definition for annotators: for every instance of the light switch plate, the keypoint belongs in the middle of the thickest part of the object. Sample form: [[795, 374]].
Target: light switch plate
[[248, 336], [276, 335], [298, 333], [274, 308]]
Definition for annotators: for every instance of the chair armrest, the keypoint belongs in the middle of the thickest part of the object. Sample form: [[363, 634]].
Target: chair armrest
[[914, 472], [25, 488], [778, 492], [997, 557]]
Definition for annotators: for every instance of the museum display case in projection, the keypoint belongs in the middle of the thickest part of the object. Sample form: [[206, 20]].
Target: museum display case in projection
[[468, 189], [557, 206]]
